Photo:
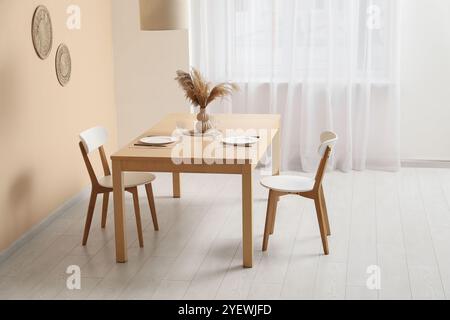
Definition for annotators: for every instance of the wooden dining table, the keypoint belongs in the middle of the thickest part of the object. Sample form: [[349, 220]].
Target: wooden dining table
[[203, 155]]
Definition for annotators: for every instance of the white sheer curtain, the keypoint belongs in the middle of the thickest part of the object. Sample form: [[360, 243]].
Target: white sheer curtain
[[321, 64]]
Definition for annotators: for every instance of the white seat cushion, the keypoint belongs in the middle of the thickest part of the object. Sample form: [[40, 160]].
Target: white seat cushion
[[290, 184], [131, 179]]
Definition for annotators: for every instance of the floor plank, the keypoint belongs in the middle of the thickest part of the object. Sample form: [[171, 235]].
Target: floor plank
[[399, 222]]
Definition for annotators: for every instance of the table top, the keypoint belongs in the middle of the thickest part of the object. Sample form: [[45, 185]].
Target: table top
[[206, 149]]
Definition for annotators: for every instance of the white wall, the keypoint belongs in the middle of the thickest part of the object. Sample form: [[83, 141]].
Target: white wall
[[145, 66], [425, 74]]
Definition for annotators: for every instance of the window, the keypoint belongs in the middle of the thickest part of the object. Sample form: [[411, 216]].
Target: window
[[269, 40]]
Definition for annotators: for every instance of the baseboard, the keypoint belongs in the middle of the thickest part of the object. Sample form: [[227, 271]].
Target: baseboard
[[413, 163], [28, 236]]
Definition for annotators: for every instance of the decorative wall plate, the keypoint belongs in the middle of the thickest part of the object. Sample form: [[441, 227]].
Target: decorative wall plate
[[42, 32], [63, 65]]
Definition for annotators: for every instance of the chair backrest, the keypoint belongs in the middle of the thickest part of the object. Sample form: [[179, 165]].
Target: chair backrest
[[94, 138], [91, 140], [327, 141]]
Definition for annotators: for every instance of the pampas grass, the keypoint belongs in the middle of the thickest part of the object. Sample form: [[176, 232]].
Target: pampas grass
[[198, 91]]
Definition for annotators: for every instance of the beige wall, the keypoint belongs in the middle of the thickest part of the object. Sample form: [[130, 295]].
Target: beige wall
[[145, 66], [41, 166], [425, 65]]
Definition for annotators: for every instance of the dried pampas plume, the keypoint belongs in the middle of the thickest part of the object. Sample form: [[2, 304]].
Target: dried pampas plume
[[199, 92]]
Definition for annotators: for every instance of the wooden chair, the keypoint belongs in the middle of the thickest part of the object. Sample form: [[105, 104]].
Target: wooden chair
[[305, 187], [92, 140]]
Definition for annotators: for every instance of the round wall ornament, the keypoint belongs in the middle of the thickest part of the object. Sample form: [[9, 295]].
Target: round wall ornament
[[42, 32], [63, 64]]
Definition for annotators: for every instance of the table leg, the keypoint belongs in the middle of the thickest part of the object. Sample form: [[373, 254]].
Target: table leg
[[247, 217], [176, 185], [276, 154], [119, 214]]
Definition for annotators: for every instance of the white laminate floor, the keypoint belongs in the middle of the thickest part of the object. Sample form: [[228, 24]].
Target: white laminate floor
[[399, 222]]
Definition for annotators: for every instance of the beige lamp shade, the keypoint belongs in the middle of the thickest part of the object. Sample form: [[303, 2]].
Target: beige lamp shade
[[164, 14]]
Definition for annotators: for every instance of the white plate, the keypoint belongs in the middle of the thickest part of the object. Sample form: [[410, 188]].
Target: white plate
[[240, 140], [158, 140]]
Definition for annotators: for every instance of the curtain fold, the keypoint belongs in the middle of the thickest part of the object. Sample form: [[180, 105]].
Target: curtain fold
[[321, 64]]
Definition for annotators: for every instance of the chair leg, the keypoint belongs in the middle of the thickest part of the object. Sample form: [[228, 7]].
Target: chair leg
[[105, 209], [325, 211], [89, 216], [151, 202], [137, 213], [320, 219], [269, 220], [274, 213]]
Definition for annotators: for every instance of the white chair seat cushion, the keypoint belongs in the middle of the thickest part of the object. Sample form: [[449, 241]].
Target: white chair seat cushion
[[131, 179], [290, 184]]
